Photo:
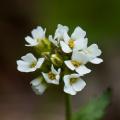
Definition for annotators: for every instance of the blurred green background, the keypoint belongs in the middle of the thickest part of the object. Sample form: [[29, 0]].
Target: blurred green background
[[100, 19]]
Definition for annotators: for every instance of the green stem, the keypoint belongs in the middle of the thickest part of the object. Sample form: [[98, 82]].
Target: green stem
[[68, 106]]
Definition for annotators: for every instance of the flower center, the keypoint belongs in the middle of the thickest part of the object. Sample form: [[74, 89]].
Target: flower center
[[75, 63], [38, 40], [71, 43], [73, 80], [51, 75], [33, 64]]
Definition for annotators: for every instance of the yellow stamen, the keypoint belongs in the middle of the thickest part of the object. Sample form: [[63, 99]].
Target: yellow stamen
[[73, 80], [33, 64], [51, 75], [71, 43], [76, 63]]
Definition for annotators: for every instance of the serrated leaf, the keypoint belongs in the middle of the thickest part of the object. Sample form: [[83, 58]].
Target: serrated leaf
[[95, 109]]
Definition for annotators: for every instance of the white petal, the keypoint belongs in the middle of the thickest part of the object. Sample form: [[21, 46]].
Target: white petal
[[39, 89], [25, 69], [45, 75], [53, 69], [56, 82], [40, 62], [22, 63], [65, 47], [57, 77], [31, 45], [60, 31], [79, 85], [74, 75], [78, 33], [22, 66], [81, 44], [29, 58], [38, 33], [36, 81], [22, 69], [55, 42], [31, 41], [96, 60], [69, 90], [78, 56], [66, 37], [59, 70], [61, 27], [82, 70], [93, 51], [66, 79], [69, 64]]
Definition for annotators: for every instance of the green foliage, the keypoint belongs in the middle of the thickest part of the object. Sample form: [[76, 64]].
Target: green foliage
[[95, 109]]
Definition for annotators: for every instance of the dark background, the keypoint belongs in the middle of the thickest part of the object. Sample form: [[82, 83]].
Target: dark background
[[101, 20]]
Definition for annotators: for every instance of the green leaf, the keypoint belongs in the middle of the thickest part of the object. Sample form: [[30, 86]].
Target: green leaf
[[95, 109]]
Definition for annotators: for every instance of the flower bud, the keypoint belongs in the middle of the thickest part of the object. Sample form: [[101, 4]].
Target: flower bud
[[43, 46], [38, 85], [56, 59]]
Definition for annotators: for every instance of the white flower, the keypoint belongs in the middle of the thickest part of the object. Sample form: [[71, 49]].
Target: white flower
[[73, 84], [58, 34], [77, 41], [38, 86], [77, 63], [92, 52], [29, 63], [38, 34], [53, 76], [60, 31]]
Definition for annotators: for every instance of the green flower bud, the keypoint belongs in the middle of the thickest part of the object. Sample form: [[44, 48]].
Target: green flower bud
[[46, 55], [56, 59], [43, 46]]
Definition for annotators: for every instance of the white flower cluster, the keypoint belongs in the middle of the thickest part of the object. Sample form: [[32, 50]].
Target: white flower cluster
[[65, 60]]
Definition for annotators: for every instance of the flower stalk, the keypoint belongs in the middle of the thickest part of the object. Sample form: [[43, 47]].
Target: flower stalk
[[68, 107]]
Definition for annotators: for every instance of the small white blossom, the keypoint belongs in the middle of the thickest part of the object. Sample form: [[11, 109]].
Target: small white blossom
[[77, 41], [58, 34], [29, 63], [60, 31], [38, 34], [92, 52], [73, 84], [77, 63], [38, 86], [53, 76]]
